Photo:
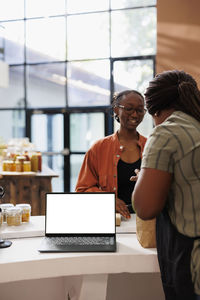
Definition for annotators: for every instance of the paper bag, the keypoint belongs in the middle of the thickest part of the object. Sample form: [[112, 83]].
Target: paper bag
[[146, 232]]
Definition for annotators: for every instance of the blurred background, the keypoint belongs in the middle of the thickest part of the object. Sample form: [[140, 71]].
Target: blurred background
[[64, 61]]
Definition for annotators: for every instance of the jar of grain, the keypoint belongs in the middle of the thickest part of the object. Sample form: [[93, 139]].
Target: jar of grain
[[14, 216], [26, 211], [18, 166], [8, 165], [3, 207], [21, 160], [4, 165], [27, 166]]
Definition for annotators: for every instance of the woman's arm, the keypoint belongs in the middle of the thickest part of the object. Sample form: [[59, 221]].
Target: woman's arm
[[150, 192], [88, 177]]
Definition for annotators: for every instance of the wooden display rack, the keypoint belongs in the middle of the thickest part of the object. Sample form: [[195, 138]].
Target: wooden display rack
[[27, 187]]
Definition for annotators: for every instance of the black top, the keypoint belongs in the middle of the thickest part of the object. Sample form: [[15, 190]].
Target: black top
[[125, 186]]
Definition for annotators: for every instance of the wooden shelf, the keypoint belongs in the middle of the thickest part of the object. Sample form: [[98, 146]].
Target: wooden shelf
[[28, 187], [5, 173]]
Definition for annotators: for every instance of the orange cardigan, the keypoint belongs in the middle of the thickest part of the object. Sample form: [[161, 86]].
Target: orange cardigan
[[99, 169]]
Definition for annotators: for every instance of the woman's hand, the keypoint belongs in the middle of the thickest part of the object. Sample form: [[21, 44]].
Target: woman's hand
[[134, 178], [122, 208]]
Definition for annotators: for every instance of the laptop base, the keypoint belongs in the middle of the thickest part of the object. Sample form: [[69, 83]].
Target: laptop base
[[45, 247]]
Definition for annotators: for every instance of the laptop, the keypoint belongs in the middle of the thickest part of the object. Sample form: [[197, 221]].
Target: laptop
[[79, 222]]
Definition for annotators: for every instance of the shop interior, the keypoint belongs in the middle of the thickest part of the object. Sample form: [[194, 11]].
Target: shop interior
[[61, 62]]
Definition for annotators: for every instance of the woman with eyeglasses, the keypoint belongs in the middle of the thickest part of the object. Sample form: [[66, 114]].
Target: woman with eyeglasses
[[110, 164], [168, 186]]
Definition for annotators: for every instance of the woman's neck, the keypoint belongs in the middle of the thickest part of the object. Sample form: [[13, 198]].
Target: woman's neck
[[130, 152], [127, 135]]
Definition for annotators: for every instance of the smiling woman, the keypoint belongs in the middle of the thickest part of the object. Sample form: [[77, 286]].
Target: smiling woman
[[110, 162]]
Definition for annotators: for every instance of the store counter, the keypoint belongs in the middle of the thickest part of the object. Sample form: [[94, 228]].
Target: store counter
[[84, 276]]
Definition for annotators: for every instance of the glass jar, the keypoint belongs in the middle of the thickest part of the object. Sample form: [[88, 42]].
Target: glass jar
[[26, 211], [8, 165], [1, 217], [21, 160], [3, 207], [18, 167], [4, 165], [34, 162], [39, 156], [14, 216], [27, 166]]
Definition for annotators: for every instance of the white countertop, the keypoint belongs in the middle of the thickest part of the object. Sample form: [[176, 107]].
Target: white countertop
[[127, 226], [36, 227], [22, 260]]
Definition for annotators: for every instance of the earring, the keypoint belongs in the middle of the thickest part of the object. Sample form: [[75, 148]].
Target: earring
[[156, 114]]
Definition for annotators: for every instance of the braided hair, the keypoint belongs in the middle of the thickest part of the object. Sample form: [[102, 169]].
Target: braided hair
[[120, 96], [173, 89]]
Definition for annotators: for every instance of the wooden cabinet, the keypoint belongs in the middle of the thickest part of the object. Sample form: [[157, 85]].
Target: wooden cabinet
[[28, 188]]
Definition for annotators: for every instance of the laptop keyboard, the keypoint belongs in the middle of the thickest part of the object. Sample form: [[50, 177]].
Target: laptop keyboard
[[81, 240]]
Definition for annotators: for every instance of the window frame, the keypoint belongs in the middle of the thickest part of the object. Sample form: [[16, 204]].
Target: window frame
[[66, 110]]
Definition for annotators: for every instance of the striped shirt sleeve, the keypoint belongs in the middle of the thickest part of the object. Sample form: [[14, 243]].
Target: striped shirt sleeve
[[159, 150]]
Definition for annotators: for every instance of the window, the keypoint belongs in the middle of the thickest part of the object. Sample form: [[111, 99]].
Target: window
[[66, 59], [88, 83]]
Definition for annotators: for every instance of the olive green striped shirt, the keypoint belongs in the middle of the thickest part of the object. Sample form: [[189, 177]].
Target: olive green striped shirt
[[174, 147]]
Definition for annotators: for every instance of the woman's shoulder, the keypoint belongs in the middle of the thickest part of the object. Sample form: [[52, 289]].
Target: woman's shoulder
[[142, 138], [107, 140], [176, 125]]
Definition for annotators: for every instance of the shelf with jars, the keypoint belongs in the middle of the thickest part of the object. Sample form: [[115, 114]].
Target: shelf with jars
[[24, 177], [19, 158]]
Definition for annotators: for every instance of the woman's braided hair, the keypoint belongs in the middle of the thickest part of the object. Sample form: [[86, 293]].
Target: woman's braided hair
[[117, 97], [173, 89]]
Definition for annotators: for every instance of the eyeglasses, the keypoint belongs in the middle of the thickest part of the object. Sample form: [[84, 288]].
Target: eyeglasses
[[131, 110]]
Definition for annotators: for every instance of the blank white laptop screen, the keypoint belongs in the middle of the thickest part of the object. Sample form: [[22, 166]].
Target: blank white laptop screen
[[80, 213]]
